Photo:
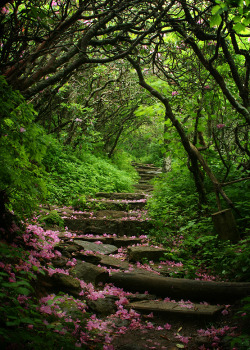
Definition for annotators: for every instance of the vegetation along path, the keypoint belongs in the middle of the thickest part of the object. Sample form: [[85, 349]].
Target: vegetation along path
[[105, 280], [98, 248]]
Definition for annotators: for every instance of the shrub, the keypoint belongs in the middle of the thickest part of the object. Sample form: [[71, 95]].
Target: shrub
[[22, 147]]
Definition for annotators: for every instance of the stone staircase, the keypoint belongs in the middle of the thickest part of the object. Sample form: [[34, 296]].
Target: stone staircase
[[147, 172], [110, 245]]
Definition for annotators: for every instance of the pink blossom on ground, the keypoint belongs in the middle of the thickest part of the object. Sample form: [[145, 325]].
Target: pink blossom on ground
[[167, 326], [184, 340]]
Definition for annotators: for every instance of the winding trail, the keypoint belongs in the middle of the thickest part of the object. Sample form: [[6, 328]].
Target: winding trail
[[108, 242]]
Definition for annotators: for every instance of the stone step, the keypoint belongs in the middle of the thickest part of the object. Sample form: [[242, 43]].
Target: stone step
[[116, 195], [179, 308], [110, 214], [143, 172], [143, 182], [116, 241], [95, 247], [145, 166], [116, 204], [145, 252], [144, 187], [109, 226]]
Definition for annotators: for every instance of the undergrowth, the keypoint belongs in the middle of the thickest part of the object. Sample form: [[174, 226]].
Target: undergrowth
[[188, 233], [72, 174]]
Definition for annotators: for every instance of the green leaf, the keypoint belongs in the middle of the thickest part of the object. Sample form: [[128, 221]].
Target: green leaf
[[13, 323], [23, 290], [215, 9], [215, 20], [237, 19], [180, 346], [239, 27], [246, 21]]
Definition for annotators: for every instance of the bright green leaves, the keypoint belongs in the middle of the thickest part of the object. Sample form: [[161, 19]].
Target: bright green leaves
[[217, 10], [22, 147], [215, 20], [238, 10]]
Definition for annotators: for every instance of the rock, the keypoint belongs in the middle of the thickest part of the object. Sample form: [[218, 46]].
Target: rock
[[103, 306], [125, 242], [170, 271], [144, 252], [119, 204], [128, 196], [67, 247], [89, 273], [70, 307], [113, 262], [120, 227], [94, 247], [111, 214], [92, 259], [104, 240], [144, 187], [65, 283], [60, 262]]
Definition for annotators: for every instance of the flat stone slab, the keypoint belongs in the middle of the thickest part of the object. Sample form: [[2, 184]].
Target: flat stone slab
[[166, 270], [144, 252], [104, 240], [125, 242], [95, 247], [100, 226], [118, 204], [176, 308], [89, 272], [129, 196], [118, 242], [110, 261]]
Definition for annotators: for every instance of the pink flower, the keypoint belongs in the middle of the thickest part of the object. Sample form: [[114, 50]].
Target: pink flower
[[167, 326], [4, 11], [224, 312], [46, 309], [220, 126], [184, 340], [174, 93], [22, 129]]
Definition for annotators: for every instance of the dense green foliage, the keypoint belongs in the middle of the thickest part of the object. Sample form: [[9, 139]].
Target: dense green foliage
[[71, 174], [22, 147], [73, 117], [188, 232]]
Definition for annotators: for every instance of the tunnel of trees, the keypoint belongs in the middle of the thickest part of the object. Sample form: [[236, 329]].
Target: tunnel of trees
[[87, 87]]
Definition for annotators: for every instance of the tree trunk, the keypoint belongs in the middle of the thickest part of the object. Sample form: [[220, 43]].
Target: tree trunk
[[194, 290], [225, 225]]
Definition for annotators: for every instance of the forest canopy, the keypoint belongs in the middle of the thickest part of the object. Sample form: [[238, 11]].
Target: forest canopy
[[79, 64], [91, 91]]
